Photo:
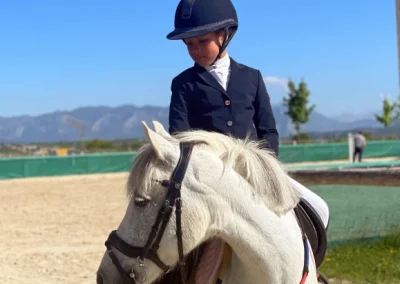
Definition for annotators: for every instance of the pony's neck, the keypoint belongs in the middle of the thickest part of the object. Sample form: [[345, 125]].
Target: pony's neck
[[266, 248]]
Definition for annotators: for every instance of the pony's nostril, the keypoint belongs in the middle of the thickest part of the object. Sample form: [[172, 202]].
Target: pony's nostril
[[99, 279]]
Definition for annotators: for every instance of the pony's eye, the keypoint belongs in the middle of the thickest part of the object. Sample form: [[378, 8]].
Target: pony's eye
[[141, 202]]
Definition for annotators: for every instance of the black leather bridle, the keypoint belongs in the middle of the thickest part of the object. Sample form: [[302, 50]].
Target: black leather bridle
[[149, 251]]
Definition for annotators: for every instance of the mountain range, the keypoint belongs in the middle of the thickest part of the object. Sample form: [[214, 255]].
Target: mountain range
[[125, 122]]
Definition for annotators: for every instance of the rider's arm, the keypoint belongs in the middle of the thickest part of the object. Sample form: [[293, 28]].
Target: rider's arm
[[178, 108], [264, 119]]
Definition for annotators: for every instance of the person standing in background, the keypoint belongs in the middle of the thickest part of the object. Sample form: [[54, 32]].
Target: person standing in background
[[359, 144]]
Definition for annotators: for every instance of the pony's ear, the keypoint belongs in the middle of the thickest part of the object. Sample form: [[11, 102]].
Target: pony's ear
[[162, 147], [159, 129]]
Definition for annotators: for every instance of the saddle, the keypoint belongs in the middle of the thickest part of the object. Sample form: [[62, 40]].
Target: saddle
[[314, 228]]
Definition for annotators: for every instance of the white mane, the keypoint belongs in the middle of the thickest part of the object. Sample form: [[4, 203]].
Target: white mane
[[250, 159]]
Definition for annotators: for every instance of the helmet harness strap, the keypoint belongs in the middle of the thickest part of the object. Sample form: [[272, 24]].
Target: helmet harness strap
[[227, 39]]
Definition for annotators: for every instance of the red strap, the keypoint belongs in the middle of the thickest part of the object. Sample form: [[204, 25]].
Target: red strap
[[303, 280]]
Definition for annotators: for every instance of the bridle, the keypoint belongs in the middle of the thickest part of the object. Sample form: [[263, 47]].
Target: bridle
[[173, 199]]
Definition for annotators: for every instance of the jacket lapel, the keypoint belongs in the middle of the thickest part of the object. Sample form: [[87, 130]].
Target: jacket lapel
[[209, 79], [235, 79]]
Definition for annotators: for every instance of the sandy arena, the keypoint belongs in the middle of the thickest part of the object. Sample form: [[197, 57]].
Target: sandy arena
[[52, 230]]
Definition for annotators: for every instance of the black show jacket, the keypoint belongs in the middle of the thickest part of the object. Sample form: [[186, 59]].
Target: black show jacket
[[198, 101]]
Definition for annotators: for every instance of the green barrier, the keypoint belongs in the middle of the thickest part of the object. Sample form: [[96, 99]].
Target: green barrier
[[121, 162], [313, 152], [382, 149], [355, 214], [335, 151], [68, 165]]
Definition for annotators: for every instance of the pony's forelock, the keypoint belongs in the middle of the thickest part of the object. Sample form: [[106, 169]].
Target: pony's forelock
[[145, 172]]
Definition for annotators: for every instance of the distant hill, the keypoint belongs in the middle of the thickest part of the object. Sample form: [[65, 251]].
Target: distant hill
[[350, 117], [124, 122]]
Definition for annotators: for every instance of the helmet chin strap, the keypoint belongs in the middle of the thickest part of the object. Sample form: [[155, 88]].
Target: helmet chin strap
[[225, 43]]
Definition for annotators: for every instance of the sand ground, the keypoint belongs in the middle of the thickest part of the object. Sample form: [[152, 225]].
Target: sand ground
[[52, 230]]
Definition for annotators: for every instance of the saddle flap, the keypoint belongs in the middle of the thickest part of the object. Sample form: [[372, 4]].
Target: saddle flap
[[210, 262], [203, 264]]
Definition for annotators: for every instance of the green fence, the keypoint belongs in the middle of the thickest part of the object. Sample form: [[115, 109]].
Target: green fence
[[335, 151], [356, 214], [68, 165], [120, 162]]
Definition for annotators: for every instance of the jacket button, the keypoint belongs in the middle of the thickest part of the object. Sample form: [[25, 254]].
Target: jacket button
[[229, 123], [227, 102]]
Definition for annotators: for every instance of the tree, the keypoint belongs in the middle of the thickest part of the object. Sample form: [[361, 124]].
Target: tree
[[297, 102], [78, 125], [390, 113], [98, 144], [398, 107]]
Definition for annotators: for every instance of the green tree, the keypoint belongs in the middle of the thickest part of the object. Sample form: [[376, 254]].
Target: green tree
[[297, 101], [390, 113], [98, 144], [398, 107]]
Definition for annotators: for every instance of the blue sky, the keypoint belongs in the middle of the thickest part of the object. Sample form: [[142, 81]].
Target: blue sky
[[63, 54]]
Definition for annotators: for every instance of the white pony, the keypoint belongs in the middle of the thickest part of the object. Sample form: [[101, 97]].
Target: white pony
[[233, 190]]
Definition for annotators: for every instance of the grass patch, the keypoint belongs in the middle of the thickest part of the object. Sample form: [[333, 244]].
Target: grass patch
[[365, 261]]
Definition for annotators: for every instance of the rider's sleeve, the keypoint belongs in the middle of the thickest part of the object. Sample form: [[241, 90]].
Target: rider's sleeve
[[264, 119], [178, 108]]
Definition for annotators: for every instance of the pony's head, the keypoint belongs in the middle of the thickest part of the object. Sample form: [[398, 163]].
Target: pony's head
[[220, 171]]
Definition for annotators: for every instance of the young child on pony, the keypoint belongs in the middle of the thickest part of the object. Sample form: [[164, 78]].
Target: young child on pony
[[217, 93]]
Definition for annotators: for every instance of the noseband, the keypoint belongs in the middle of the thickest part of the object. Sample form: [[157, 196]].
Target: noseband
[[137, 273]]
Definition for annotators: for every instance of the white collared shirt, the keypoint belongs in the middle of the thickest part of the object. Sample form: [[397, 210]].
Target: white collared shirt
[[221, 70]]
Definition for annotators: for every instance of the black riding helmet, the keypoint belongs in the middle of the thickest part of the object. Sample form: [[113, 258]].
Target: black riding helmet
[[199, 17]]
